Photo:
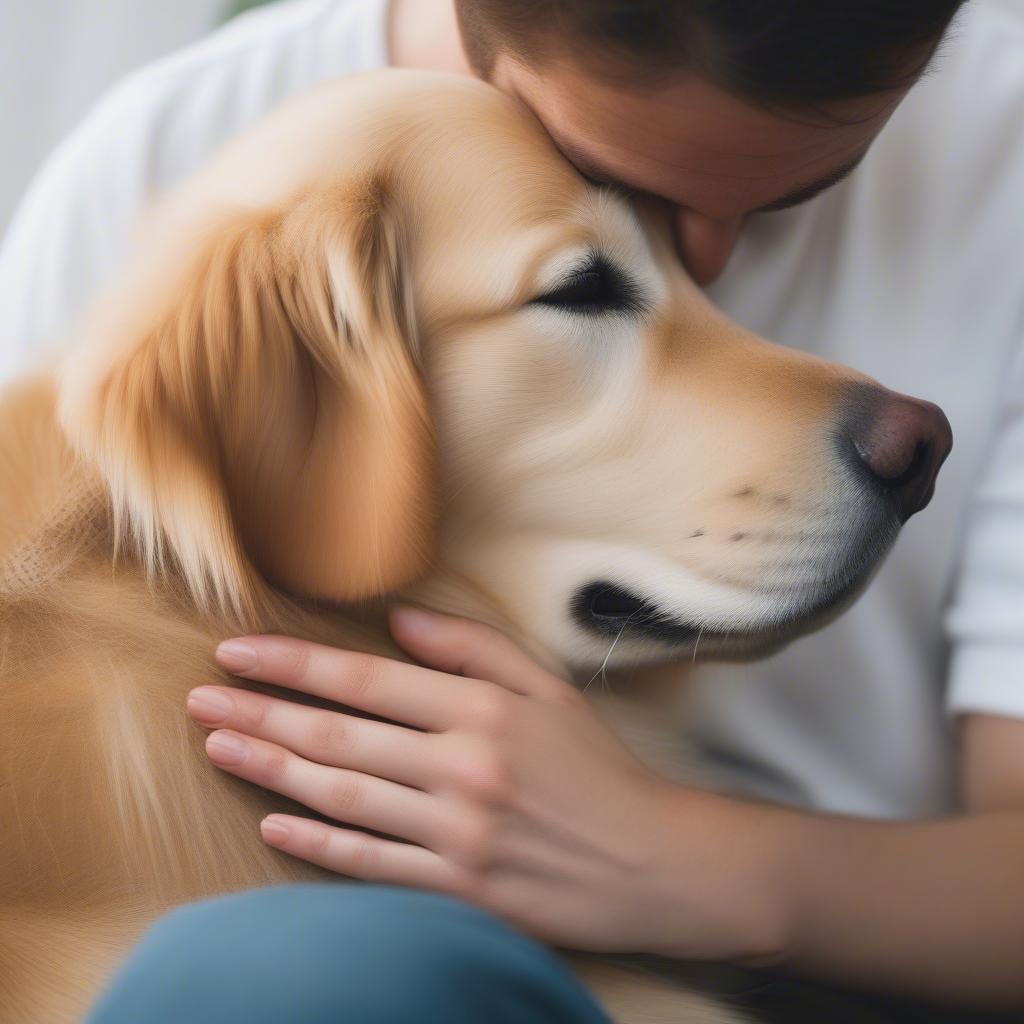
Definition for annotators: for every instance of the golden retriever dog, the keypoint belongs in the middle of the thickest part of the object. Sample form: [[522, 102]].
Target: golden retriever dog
[[389, 343]]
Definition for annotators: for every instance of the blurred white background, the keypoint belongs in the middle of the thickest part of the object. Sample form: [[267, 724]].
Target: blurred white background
[[57, 56]]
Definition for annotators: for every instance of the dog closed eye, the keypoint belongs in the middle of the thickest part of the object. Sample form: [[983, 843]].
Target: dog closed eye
[[597, 288]]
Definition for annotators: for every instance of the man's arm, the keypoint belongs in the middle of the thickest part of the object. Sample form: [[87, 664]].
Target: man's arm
[[931, 909], [526, 804], [992, 764]]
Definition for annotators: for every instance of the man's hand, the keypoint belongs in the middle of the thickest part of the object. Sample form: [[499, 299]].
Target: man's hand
[[499, 784]]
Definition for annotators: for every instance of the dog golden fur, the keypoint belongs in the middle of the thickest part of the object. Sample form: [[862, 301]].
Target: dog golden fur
[[388, 343]]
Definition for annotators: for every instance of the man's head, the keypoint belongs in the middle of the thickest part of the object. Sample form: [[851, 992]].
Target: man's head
[[722, 108]]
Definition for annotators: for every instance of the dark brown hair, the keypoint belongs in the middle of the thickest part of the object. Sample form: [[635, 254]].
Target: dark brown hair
[[788, 51]]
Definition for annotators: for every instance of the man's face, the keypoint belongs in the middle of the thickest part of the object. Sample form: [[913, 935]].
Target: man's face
[[715, 158]]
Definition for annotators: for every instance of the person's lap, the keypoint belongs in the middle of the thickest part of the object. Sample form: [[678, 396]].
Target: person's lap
[[324, 954]]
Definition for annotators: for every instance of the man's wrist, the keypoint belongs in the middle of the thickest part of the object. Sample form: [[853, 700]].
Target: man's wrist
[[720, 878]]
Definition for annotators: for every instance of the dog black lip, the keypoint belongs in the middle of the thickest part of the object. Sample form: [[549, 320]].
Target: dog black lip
[[610, 611]]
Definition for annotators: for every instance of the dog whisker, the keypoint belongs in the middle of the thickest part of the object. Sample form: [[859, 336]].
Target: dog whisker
[[602, 671], [696, 646]]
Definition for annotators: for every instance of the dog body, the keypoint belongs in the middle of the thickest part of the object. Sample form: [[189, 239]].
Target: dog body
[[388, 343]]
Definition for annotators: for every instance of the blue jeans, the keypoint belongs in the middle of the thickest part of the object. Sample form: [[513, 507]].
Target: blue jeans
[[333, 954]]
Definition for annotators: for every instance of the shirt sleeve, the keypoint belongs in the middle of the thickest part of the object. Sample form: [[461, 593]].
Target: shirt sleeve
[[71, 229], [986, 619], [75, 224]]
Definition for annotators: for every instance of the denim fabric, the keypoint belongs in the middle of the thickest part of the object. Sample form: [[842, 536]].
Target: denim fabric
[[334, 954]]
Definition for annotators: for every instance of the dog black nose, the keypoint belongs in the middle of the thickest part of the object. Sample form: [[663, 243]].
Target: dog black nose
[[899, 443]]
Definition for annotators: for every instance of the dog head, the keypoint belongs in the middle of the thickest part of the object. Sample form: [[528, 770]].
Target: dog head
[[391, 337]]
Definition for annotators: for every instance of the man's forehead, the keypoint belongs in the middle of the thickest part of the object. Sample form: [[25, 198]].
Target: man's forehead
[[695, 145], [802, 193]]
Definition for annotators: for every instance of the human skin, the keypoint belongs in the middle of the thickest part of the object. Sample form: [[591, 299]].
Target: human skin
[[520, 799], [713, 158], [508, 791]]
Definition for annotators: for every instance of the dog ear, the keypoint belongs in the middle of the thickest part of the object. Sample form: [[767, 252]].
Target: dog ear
[[272, 422]]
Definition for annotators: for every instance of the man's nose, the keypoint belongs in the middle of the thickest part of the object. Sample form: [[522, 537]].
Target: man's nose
[[705, 243]]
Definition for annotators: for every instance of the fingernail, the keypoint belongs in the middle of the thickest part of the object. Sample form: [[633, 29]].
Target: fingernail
[[237, 656], [274, 832], [413, 620], [226, 748], [210, 705]]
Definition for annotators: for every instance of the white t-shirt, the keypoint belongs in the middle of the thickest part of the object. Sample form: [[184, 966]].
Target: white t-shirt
[[912, 270], [153, 129]]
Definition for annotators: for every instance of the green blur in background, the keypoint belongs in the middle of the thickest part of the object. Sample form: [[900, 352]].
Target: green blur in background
[[239, 6]]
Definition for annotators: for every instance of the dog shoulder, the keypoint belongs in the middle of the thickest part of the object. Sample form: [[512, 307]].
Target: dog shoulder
[[48, 501]]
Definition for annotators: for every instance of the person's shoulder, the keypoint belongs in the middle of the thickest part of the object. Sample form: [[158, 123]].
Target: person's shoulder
[[160, 123], [986, 30], [958, 134], [150, 131], [302, 39], [179, 108], [980, 65]]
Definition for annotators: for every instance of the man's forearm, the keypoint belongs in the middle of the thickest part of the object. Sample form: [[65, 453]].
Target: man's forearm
[[932, 909]]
